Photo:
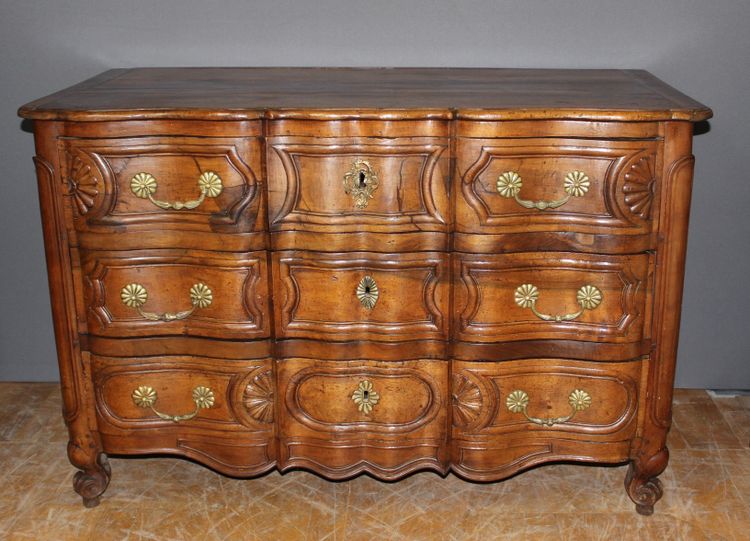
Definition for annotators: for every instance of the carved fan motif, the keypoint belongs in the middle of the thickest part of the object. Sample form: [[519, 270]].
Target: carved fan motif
[[82, 185], [639, 186], [467, 400], [258, 397]]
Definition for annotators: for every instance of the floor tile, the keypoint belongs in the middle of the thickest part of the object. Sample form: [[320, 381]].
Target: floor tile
[[707, 492]]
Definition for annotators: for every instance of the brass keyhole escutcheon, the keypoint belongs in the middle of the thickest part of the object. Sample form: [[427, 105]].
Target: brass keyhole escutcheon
[[367, 292], [360, 182]]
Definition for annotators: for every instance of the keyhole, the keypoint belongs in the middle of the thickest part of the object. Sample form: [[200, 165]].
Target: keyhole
[[366, 395], [362, 179], [367, 289]]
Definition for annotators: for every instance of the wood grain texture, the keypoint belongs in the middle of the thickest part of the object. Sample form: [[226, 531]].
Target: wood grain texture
[[322, 428], [341, 93], [98, 175], [238, 284], [316, 296], [486, 308], [286, 342], [490, 442]]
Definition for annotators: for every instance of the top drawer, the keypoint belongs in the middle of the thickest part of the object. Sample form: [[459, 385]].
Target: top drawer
[[359, 193], [170, 192], [552, 193]]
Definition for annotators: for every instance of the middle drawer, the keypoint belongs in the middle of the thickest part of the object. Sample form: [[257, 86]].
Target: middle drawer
[[165, 292], [361, 295]]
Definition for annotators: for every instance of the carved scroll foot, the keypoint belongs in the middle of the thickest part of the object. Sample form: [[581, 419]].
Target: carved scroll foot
[[642, 483], [91, 483]]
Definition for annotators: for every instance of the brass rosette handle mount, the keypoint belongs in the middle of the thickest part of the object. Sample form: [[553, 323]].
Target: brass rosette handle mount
[[135, 296], [518, 402], [145, 397], [575, 184], [144, 185]]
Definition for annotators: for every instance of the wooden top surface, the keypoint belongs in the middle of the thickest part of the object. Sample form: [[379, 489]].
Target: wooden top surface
[[330, 93]]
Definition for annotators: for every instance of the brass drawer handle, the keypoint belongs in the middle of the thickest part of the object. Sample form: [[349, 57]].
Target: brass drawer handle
[[360, 182], [365, 397], [367, 292], [588, 297], [135, 296], [144, 185], [518, 401], [576, 184], [145, 397]]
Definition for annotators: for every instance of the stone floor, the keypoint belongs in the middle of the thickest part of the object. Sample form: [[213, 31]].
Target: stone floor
[[707, 491]]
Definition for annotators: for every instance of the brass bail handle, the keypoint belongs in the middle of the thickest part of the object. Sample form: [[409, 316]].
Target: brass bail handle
[[135, 296], [588, 297], [518, 401], [144, 185], [145, 397], [575, 184]]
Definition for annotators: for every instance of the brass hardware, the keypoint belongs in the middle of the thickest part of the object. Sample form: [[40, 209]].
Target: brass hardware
[[360, 182], [518, 401], [575, 184], [365, 397], [367, 292], [144, 185], [135, 296], [145, 397], [588, 297]]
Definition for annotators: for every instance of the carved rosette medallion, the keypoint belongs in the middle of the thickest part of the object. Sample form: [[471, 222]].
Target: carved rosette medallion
[[82, 184], [639, 187], [257, 398], [467, 401]]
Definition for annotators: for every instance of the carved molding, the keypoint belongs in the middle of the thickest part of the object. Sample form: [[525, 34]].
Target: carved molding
[[290, 211], [639, 187], [467, 400], [428, 318], [100, 153], [380, 377], [98, 276], [629, 273], [82, 182], [258, 397]]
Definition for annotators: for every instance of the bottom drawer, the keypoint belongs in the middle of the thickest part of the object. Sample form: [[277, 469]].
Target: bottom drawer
[[219, 412], [511, 415], [343, 418]]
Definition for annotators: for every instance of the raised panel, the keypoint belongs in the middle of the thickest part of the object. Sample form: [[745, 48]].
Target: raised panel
[[237, 283], [316, 296], [489, 309], [408, 192], [510, 415], [99, 173], [323, 424], [228, 435], [612, 207]]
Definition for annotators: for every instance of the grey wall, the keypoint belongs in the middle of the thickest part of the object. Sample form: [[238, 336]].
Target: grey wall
[[698, 46]]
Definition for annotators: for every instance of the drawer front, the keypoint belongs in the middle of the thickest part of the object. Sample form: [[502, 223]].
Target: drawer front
[[558, 193], [216, 411], [348, 417], [511, 415], [361, 296], [351, 185], [547, 296], [163, 292], [203, 190]]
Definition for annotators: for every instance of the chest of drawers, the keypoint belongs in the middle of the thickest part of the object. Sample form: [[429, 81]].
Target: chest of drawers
[[379, 271]]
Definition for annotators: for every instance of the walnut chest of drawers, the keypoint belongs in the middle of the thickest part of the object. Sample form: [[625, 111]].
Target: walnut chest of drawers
[[381, 270]]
